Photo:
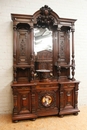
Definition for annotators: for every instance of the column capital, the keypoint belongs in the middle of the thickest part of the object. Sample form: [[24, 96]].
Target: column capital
[[72, 28], [59, 27], [14, 27]]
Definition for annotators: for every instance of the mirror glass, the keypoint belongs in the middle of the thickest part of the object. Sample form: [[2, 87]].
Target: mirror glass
[[42, 39]]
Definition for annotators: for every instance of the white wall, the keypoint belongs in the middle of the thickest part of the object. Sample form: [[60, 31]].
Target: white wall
[[75, 9]]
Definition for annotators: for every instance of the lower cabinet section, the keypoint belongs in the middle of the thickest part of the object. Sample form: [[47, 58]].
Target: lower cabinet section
[[68, 98], [34, 100]]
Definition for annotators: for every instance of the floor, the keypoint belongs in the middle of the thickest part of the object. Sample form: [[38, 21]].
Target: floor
[[69, 122]]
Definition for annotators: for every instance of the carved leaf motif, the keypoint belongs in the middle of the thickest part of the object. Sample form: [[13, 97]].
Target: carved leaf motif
[[22, 48], [62, 54]]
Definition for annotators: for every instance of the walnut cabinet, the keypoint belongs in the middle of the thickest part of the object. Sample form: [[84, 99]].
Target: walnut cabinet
[[43, 65]]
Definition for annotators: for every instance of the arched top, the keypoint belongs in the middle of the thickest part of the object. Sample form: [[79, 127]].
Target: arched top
[[45, 17]]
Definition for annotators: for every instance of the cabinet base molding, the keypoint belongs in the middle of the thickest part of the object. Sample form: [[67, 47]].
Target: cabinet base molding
[[69, 111], [16, 118]]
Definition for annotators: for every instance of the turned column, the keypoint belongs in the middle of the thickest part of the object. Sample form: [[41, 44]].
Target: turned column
[[73, 56], [58, 61], [32, 53], [14, 53]]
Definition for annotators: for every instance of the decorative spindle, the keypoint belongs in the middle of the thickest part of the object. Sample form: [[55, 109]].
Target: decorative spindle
[[32, 54], [14, 41], [73, 56], [58, 61], [15, 74], [59, 28], [14, 54]]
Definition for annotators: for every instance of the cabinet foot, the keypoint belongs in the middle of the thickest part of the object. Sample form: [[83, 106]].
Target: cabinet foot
[[61, 116], [33, 119], [15, 121], [75, 113]]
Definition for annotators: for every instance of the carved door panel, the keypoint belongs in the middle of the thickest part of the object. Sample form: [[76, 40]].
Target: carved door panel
[[63, 55], [67, 97], [64, 48], [22, 100], [47, 99], [23, 47]]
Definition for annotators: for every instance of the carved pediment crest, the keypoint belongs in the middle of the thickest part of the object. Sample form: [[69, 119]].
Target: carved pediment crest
[[45, 18]]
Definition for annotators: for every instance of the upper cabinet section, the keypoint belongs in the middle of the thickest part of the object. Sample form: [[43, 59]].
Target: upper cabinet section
[[42, 42]]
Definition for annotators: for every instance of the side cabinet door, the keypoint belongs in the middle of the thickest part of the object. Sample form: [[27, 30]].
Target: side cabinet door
[[22, 100], [67, 98], [23, 47]]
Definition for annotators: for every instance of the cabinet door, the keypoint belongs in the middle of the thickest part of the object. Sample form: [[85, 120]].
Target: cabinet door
[[22, 100], [23, 47], [67, 98], [47, 99]]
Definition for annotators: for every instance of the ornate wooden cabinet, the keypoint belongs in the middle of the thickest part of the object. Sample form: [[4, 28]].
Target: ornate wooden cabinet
[[43, 65]]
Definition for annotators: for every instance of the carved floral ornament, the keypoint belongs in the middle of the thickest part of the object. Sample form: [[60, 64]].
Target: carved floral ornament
[[45, 18]]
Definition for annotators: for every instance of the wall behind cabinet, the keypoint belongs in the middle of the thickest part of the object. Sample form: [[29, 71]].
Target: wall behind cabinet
[[67, 9]]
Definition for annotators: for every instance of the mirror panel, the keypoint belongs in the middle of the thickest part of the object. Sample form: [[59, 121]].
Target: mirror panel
[[42, 39]]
